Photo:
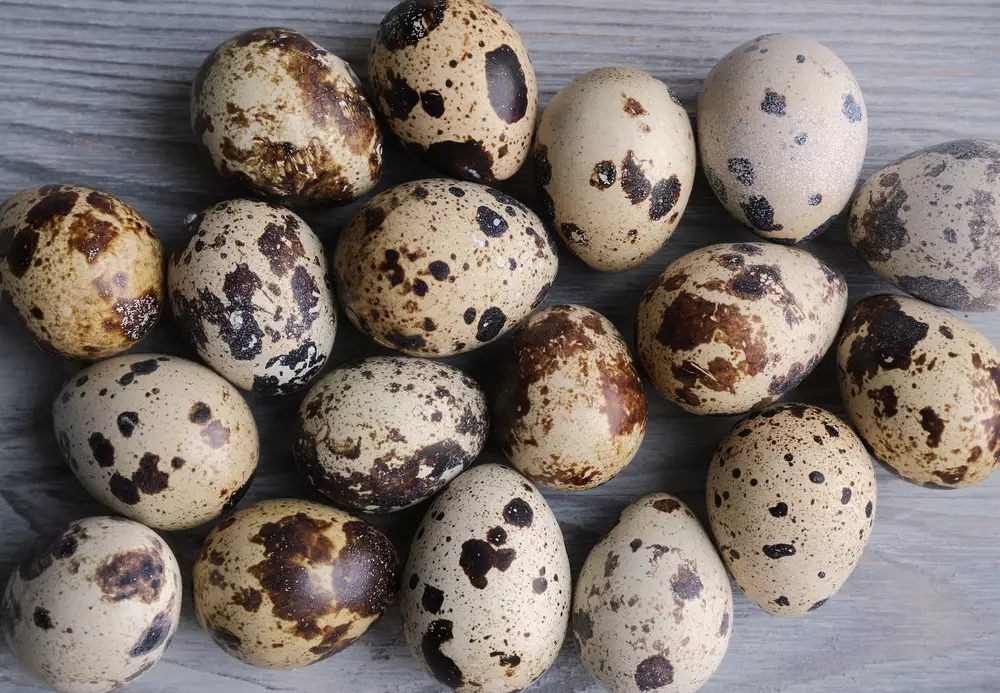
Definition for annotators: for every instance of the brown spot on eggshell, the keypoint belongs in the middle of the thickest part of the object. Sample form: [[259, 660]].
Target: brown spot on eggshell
[[134, 574]]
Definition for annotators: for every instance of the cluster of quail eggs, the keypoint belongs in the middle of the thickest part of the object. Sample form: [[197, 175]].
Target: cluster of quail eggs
[[437, 267]]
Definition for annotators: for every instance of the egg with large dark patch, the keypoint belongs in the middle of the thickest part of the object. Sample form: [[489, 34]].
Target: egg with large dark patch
[[84, 270], [782, 134], [453, 80], [930, 224], [438, 267], [93, 607], [486, 590], [733, 327], [922, 387]]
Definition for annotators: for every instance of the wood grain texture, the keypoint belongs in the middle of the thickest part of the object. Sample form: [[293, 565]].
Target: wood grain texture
[[95, 93]]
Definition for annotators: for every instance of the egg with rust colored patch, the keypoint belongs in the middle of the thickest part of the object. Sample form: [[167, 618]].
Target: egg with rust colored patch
[[922, 387], [285, 583], [486, 591], [653, 608], [439, 267], [453, 80], [93, 607], [930, 224], [732, 327], [571, 410], [614, 161], [791, 500], [382, 434], [782, 135], [161, 440], [252, 293], [61, 241], [283, 118]]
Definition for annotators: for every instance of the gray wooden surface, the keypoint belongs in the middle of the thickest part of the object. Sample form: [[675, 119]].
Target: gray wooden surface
[[95, 93]]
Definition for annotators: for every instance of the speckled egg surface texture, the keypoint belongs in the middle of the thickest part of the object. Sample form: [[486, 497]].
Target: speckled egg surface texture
[[734, 326], [923, 389], [454, 82], [63, 241], [485, 595], [280, 116], [571, 410], [782, 134], [286, 583], [438, 267], [653, 607], [614, 161], [253, 294], [94, 607], [930, 224]]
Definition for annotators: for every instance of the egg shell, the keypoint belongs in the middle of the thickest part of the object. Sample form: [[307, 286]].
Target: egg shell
[[93, 607], [486, 590], [285, 583], [251, 291], [653, 606], [382, 434], [62, 241], [453, 80], [614, 161], [439, 267], [928, 223], [732, 327], [791, 500], [158, 439], [281, 117], [923, 389], [782, 134], [571, 410]]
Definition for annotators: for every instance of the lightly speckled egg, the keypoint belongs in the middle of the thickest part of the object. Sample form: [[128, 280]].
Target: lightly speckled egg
[[486, 590], [791, 500], [286, 583], [94, 607], [923, 389], [453, 80], [571, 410], [251, 291], [614, 161], [653, 606], [732, 327], [382, 434], [285, 119], [158, 439], [930, 224], [438, 267], [84, 270], [782, 134]]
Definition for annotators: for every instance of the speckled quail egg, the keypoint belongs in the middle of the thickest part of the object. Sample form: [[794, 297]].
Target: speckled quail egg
[[782, 134], [614, 161], [252, 293], [653, 606], [286, 119], [791, 500], [454, 82], [94, 607], [571, 409], [486, 591], [382, 434], [286, 583], [158, 439], [928, 223], [732, 327], [923, 389], [84, 270], [438, 267]]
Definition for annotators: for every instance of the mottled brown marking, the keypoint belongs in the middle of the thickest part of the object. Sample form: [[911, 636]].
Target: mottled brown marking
[[952, 476], [249, 598], [632, 107], [885, 400], [666, 505], [91, 235], [479, 557], [131, 574], [624, 397], [281, 245], [889, 340], [933, 424]]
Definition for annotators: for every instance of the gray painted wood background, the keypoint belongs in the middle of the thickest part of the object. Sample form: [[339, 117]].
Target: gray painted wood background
[[96, 93]]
